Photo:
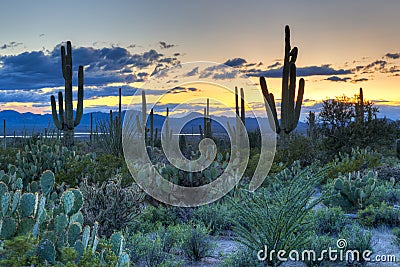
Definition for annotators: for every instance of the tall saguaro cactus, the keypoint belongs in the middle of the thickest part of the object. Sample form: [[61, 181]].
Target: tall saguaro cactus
[[290, 110], [64, 120]]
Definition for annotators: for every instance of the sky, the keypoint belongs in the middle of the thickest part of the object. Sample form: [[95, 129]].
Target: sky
[[343, 45]]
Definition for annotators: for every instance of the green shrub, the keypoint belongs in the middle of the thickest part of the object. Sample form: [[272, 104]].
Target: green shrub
[[358, 239], [374, 216], [243, 257], [19, 251], [396, 233], [152, 217], [386, 192], [329, 221], [196, 242], [156, 249], [217, 217], [318, 244]]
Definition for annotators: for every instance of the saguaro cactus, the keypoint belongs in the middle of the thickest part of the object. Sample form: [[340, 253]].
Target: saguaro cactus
[[64, 120], [290, 111], [311, 124], [360, 107], [207, 121]]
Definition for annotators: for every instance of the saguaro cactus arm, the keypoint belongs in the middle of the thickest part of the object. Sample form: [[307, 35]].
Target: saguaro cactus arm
[[79, 106], [269, 97]]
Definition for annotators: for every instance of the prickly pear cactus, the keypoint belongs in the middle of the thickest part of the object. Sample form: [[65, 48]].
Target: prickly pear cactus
[[46, 251], [47, 181], [356, 189], [68, 199]]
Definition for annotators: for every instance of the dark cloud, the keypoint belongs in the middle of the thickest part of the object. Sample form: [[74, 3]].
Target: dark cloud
[[39, 69], [235, 62], [164, 45], [360, 80], [179, 89], [393, 55], [301, 72], [193, 72], [276, 64], [378, 65], [337, 79], [10, 45]]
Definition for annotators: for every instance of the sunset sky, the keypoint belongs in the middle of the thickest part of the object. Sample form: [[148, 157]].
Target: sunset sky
[[343, 45]]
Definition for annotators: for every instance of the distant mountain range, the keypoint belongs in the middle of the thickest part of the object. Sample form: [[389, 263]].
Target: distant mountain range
[[37, 123]]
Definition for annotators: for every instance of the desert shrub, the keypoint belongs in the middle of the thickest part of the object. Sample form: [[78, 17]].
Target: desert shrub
[[196, 242], [243, 257], [157, 248], [110, 204], [279, 219], [386, 192], [19, 251], [358, 239], [389, 173], [319, 243], [330, 221], [217, 217], [7, 156], [95, 170], [396, 233], [374, 216]]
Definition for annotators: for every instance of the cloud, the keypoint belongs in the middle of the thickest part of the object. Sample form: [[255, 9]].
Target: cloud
[[337, 79], [393, 55], [301, 72], [179, 89], [276, 64], [235, 62], [10, 45], [360, 80], [39, 69], [164, 45], [193, 72], [378, 65]]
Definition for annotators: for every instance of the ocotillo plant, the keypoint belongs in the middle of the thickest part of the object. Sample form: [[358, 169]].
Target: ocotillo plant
[[65, 119], [290, 111]]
